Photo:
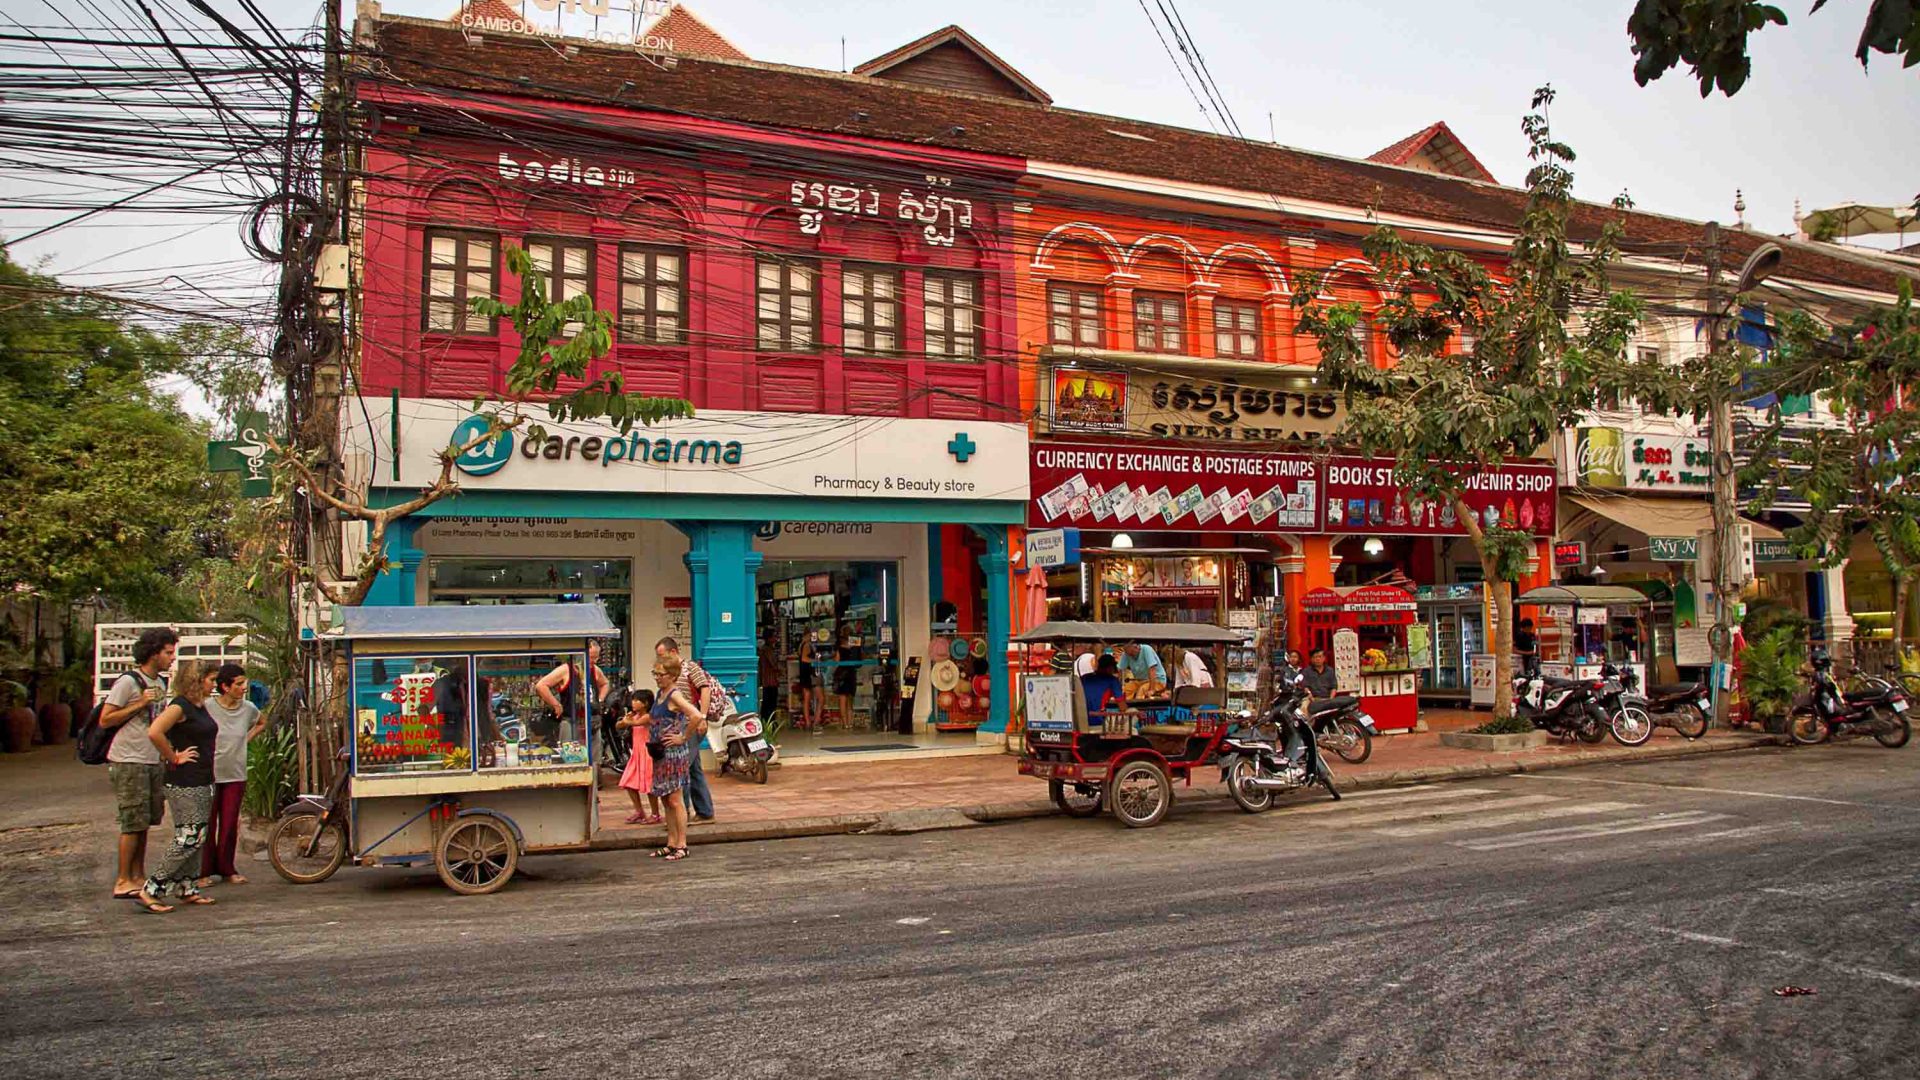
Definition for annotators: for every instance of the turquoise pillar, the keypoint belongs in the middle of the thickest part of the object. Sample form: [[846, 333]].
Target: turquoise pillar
[[395, 586], [721, 567], [999, 621]]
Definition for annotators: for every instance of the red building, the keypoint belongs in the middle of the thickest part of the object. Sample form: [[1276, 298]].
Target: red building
[[838, 307]]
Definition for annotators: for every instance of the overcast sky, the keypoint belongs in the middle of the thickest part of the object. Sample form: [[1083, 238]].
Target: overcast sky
[[1349, 77]]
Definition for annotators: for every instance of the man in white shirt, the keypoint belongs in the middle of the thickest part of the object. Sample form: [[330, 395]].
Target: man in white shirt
[[1086, 658], [1192, 670]]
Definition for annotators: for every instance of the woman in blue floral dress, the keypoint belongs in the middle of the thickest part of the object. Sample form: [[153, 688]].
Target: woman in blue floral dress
[[673, 714]]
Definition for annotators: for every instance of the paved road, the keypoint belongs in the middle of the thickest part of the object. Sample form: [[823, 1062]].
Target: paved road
[[1626, 920]]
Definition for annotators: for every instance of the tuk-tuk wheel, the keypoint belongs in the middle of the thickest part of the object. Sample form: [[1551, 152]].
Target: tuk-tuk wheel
[[1139, 794], [306, 848], [477, 854], [1076, 800]]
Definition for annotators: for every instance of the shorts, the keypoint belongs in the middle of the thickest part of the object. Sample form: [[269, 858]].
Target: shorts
[[139, 794]]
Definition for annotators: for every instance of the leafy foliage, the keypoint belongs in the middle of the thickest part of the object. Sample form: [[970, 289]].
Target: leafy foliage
[[1770, 673], [1863, 473], [1710, 37], [1446, 416], [273, 764], [560, 340], [103, 485], [1505, 725]]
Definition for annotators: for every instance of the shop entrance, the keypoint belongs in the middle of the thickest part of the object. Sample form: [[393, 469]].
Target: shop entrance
[[470, 582], [829, 643]]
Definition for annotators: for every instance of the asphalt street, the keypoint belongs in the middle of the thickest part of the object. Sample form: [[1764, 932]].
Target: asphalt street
[[1605, 921]]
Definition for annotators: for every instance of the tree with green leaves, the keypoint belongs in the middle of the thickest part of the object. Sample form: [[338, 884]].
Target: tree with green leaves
[[103, 488], [1862, 473], [558, 340], [1445, 415], [1710, 37]]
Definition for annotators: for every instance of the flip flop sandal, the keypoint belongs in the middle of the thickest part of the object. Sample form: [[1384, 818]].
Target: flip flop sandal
[[152, 907], [663, 853], [134, 895], [652, 819], [636, 819], [676, 854], [202, 899]]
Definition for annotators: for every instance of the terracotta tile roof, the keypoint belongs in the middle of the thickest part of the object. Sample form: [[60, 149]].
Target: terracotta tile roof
[[880, 65], [490, 10], [422, 52], [691, 35], [1452, 154]]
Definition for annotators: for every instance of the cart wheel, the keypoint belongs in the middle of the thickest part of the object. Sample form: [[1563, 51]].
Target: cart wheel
[[477, 855], [1078, 800], [1140, 794], [306, 848]]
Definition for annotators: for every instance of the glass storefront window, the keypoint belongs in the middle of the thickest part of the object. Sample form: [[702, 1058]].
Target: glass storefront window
[[411, 714], [529, 720]]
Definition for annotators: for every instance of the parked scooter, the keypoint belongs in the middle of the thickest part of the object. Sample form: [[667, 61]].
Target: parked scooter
[[743, 747], [1684, 707], [1276, 756], [1627, 714], [1568, 708], [1340, 725], [1880, 710]]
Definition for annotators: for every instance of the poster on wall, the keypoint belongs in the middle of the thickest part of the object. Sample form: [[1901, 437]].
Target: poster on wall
[[1346, 660], [1145, 487], [1088, 400], [1362, 497], [679, 617]]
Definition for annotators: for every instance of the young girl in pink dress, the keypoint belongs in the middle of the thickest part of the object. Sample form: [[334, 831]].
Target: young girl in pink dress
[[638, 776]]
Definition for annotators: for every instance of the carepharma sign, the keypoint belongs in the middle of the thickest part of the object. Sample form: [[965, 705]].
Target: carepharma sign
[[489, 456]]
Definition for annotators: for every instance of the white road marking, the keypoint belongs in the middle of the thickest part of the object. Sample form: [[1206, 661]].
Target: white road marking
[[1713, 791], [1416, 813], [1396, 797], [1518, 817], [913, 920], [1582, 832], [1801, 958], [1727, 834]]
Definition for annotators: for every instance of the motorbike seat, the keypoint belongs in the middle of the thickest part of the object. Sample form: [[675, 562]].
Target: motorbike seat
[[1339, 701], [1678, 689], [1558, 684], [1875, 693]]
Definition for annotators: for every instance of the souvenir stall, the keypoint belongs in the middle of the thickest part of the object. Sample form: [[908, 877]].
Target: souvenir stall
[[1167, 585], [1364, 630], [1583, 627]]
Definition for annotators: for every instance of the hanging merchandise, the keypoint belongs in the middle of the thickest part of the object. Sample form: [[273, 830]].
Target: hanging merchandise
[[946, 675], [937, 649], [958, 649]]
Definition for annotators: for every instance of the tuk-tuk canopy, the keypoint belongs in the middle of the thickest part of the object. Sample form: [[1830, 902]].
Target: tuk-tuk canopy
[[474, 623], [1583, 595], [1059, 633]]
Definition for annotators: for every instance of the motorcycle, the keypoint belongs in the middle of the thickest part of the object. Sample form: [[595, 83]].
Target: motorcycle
[[1879, 710], [1256, 766], [1684, 707], [1339, 725], [742, 746], [1568, 708], [1628, 716]]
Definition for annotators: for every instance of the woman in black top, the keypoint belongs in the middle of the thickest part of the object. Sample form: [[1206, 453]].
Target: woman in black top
[[846, 676], [184, 734]]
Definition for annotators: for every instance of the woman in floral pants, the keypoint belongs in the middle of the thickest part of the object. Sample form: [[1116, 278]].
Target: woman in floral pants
[[185, 735]]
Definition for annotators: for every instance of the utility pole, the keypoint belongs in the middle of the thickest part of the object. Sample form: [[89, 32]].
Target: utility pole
[[1720, 446]]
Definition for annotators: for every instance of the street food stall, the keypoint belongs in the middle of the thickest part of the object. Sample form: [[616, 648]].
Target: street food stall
[[1363, 628], [1583, 627], [457, 759]]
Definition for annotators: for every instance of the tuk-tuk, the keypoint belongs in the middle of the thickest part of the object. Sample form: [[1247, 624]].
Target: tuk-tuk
[[1120, 759]]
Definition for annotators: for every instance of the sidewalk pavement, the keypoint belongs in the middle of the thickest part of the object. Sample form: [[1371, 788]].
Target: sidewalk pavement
[[958, 791]]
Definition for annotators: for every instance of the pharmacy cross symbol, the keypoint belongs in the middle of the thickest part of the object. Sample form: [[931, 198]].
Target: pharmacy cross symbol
[[961, 447]]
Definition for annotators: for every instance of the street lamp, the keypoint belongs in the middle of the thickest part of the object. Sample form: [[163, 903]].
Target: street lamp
[[1759, 266]]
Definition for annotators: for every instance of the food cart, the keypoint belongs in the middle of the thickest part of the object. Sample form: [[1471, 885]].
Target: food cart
[[1583, 627], [456, 758], [1364, 630]]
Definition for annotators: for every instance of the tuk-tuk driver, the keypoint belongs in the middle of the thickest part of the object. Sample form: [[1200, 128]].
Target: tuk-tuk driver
[[1103, 688]]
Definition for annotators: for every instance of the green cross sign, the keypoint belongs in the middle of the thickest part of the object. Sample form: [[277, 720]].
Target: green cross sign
[[961, 447], [246, 453]]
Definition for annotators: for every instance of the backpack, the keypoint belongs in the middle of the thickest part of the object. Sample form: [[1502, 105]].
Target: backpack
[[95, 741]]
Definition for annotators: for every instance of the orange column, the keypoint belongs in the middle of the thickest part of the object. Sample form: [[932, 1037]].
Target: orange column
[[1316, 572]]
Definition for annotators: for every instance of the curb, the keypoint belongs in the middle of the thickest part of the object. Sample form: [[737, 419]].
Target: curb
[[987, 813]]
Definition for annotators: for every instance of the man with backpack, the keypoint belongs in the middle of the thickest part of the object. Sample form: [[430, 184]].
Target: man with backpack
[[133, 762], [714, 703]]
